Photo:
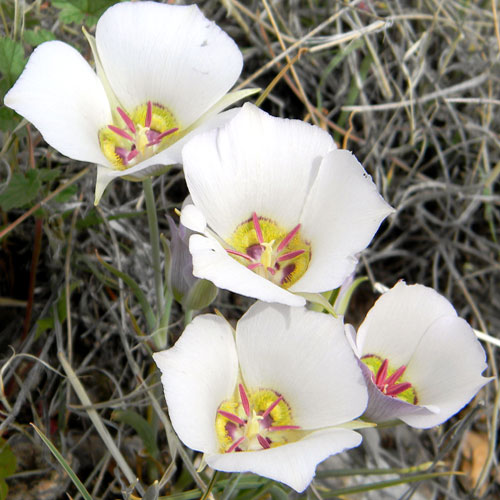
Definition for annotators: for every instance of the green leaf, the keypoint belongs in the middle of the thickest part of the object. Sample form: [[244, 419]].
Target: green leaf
[[66, 194], [42, 325], [21, 190], [37, 36], [12, 60], [48, 174], [79, 485], [141, 426], [76, 11], [4, 489], [8, 462]]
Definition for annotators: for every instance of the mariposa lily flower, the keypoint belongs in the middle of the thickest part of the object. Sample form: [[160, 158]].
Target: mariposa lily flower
[[162, 72], [275, 398], [280, 209], [422, 363]]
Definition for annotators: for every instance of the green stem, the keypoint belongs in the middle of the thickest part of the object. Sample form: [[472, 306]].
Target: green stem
[[210, 486], [154, 237], [188, 316]]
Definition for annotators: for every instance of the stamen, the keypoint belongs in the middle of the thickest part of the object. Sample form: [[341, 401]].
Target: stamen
[[258, 229], [382, 372], [394, 390], [396, 375], [121, 133], [263, 442], [235, 444], [132, 154], [161, 136], [271, 407], [149, 115], [239, 254], [126, 119], [283, 427], [290, 255], [287, 238], [253, 266], [244, 399], [231, 416]]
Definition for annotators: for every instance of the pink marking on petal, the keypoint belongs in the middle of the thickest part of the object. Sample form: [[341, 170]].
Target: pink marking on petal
[[239, 254], [149, 115], [122, 153], [271, 407], [287, 238], [244, 399], [396, 375], [283, 427], [121, 133], [132, 154], [126, 119], [290, 255], [394, 390], [263, 442], [382, 372], [231, 416], [235, 444], [258, 229]]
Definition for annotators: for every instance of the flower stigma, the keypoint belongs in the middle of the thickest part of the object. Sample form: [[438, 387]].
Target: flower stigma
[[254, 422], [388, 380], [141, 134], [270, 251]]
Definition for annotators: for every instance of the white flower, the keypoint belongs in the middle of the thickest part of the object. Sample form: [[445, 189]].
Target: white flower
[[161, 71], [286, 210], [422, 363], [266, 401]]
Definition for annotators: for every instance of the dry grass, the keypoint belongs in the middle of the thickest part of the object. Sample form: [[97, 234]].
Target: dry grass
[[412, 88]]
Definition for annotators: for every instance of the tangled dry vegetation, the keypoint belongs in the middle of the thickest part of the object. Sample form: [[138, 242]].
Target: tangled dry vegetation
[[412, 88]]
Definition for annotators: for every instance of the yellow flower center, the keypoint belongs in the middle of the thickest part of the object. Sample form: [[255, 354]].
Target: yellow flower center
[[253, 422], [389, 380], [149, 129], [271, 251]]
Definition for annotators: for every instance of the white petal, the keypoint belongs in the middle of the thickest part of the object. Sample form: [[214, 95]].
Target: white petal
[[446, 369], [304, 356], [60, 94], [399, 319], [193, 219], [342, 213], [198, 373], [212, 262], [168, 54], [293, 464], [256, 163]]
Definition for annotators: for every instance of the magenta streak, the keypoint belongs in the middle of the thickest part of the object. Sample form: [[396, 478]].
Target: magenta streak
[[231, 416], [396, 375], [254, 265], [290, 255], [244, 399], [382, 373], [235, 444], [283, 427], [149, 115], [287, 238], [121, 133], [263, 442], [271, 270], [272, 406], [239, 254], [132, 154], [258, 229], [126, 119], [394, 390]]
